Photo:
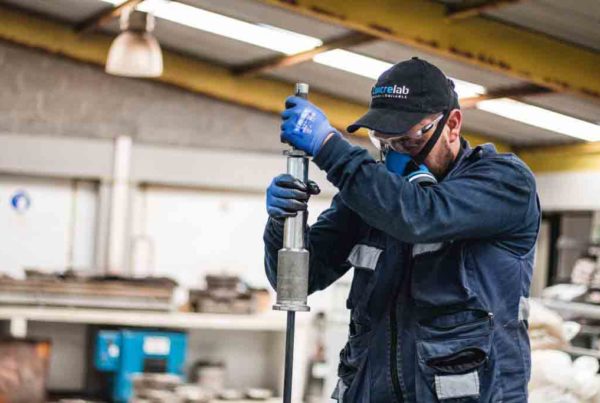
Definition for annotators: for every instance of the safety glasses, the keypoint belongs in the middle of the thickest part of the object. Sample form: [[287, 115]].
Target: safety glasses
[[404, 143]]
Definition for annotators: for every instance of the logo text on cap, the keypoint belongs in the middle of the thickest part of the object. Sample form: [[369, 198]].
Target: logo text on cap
[[390, 91]]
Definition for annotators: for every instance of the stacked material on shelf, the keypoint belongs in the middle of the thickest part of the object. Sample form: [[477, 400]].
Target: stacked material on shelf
[[547, 329], [76, 289], [565, 292], [165, 388], [229, 294], [23, 370], [210, 376], [585, 272], [555, 378]]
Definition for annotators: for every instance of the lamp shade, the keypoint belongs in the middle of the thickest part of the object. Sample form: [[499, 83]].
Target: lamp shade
[[135, 54]]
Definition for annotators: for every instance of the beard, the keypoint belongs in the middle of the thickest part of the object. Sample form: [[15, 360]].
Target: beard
[[442, 160]]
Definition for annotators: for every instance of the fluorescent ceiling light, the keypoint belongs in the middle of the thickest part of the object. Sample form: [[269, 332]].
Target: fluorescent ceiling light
[[289, 42], [353, 63], [372, 68], [265, 36], [542, 118], [466, 89], [277, 39]]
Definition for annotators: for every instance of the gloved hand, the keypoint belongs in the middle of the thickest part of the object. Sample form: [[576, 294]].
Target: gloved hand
[[398, 162], [304, 125], [287, 195]]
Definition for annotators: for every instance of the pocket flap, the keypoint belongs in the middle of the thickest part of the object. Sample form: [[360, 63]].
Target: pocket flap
[[462, 361], [364, 256], [453, 355], [455, 386]]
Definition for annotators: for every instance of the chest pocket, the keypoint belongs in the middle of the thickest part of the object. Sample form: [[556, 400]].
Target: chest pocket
[[439, 277], [364, 258]]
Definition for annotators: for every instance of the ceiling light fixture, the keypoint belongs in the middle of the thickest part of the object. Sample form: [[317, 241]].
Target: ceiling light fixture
[[135, 52], [542, 118], [265, 36]]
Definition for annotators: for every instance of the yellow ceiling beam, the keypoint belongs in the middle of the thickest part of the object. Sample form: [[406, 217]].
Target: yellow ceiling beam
[[478, 41], [475, 139], [565, 158], [208, 79], [215, 81]]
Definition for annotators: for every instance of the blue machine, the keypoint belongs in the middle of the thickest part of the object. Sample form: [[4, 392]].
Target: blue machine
[[127, 352]]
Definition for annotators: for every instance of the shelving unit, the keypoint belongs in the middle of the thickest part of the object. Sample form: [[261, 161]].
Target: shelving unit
[[270, 321], [273, 322], [572, 309]]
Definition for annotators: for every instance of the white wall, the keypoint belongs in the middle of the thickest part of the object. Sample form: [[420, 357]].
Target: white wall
[[56, 232], [194, 232], [577, 191]]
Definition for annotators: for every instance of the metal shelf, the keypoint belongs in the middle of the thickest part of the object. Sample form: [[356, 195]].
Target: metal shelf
[[572, 309], [579, 351], [275, 322], [270, 321]]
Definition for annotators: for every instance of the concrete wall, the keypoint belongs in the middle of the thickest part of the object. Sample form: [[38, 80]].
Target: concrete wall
[[50, 95]]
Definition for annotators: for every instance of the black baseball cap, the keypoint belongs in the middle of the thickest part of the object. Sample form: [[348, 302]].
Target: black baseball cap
[[405, 94]]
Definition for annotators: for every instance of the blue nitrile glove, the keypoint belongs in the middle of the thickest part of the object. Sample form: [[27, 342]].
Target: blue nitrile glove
[[287, 195], [304, 125], [397, 162]]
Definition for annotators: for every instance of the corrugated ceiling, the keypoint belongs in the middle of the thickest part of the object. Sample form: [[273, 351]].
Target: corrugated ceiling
[[577, 21]]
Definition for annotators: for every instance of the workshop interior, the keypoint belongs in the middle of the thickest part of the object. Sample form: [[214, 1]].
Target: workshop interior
[[138, 137]]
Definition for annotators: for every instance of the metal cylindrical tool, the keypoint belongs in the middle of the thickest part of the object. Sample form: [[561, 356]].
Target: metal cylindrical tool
[[292, 262], [292, 259]]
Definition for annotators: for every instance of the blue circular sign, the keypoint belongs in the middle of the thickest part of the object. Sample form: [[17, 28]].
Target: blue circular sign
[[20, 201]]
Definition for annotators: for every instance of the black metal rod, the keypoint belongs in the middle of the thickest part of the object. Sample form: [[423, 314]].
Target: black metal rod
[[289, 357]]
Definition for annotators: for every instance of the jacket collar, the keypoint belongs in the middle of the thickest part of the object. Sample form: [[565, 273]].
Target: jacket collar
[[468, 155]]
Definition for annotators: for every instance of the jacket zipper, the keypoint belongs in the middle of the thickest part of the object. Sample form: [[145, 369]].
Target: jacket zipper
[[394, 347], [394, 331]]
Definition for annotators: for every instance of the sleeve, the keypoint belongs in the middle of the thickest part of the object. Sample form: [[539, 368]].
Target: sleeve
[[329, 242], [491, 198]]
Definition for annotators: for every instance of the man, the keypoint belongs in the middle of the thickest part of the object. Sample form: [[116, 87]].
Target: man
[[442, 266]]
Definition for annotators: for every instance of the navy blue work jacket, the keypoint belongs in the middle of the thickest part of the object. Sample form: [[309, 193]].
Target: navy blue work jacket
[[441, 276]]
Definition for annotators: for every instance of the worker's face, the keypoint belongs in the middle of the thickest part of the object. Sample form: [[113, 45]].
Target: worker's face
[[446, 149], [412, 142]]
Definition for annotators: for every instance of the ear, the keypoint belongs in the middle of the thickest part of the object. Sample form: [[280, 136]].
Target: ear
[[454, 124]]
